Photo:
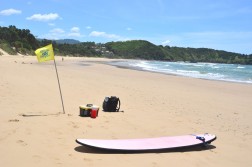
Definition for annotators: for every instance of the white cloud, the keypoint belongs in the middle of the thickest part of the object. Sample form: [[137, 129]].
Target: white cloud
[[8, 12], [58, 33], [74, 32], [75, 29], [166, 42], [88, 27], [57, 30], [43, 17], [103, 34]]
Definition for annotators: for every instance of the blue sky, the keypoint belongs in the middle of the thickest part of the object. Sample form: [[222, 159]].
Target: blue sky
[[218, 24]]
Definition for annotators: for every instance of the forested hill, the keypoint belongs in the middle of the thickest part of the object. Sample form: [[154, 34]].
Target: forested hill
[[14, 40], [145, 50]]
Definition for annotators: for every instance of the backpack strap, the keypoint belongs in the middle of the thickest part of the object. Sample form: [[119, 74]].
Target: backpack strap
[[119, 104]]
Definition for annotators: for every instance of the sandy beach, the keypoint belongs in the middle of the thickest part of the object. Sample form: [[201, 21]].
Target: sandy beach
[[154, 105]]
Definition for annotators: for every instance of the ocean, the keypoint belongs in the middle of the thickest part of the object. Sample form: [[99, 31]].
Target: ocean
[[210, 71]]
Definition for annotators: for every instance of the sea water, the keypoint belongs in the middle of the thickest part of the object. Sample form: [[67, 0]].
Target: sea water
[[211, 71]]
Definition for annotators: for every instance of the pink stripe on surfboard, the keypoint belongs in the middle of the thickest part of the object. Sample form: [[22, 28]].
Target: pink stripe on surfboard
[[147, 143]]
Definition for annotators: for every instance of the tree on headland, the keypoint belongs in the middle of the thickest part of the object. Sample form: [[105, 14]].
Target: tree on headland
[[139, 49], [21, 41]]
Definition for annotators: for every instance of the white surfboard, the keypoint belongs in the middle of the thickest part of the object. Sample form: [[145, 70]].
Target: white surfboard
[[159, 143]]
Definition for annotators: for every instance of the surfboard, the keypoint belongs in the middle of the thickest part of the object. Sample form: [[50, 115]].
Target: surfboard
[[145, 144]]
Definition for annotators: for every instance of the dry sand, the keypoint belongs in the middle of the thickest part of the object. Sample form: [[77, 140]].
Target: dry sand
[[154, 105]]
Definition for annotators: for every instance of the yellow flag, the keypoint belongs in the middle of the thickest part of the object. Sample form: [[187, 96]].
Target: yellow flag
[[45, 53]]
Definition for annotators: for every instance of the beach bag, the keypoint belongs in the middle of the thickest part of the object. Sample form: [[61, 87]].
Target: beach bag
[[111, 104]]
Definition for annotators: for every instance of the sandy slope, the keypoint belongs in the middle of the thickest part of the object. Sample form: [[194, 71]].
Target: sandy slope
[[3, 52]]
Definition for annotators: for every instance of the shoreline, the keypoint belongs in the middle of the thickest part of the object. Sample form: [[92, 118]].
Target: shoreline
[[109, 61], [160, 72]]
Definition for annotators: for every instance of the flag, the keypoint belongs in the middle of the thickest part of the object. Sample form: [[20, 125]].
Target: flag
[[45, 53]]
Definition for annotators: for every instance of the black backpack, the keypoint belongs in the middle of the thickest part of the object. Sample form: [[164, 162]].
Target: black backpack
[[111, 104]]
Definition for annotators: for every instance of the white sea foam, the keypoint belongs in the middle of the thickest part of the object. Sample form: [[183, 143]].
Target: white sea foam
[[212, 71], [198, 65], [187, 72]]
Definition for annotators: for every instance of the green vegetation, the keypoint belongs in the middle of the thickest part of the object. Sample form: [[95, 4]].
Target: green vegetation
[[136, 49], [86, 49], [139, 49], [14, 40], [205, 55], [7, 48], [82, 49]]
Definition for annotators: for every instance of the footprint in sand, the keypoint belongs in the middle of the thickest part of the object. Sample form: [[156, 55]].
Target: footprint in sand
[[13, 120], [21, 142], [74, 125], [87, 159], [90, 126]]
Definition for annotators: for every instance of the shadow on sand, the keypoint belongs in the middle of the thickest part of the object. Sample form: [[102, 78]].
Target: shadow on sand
[[92, 150]]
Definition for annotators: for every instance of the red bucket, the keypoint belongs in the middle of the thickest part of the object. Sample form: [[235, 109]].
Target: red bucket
[[93, 113]]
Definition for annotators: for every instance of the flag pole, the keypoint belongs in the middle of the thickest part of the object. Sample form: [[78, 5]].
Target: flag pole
[[59, 86]]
